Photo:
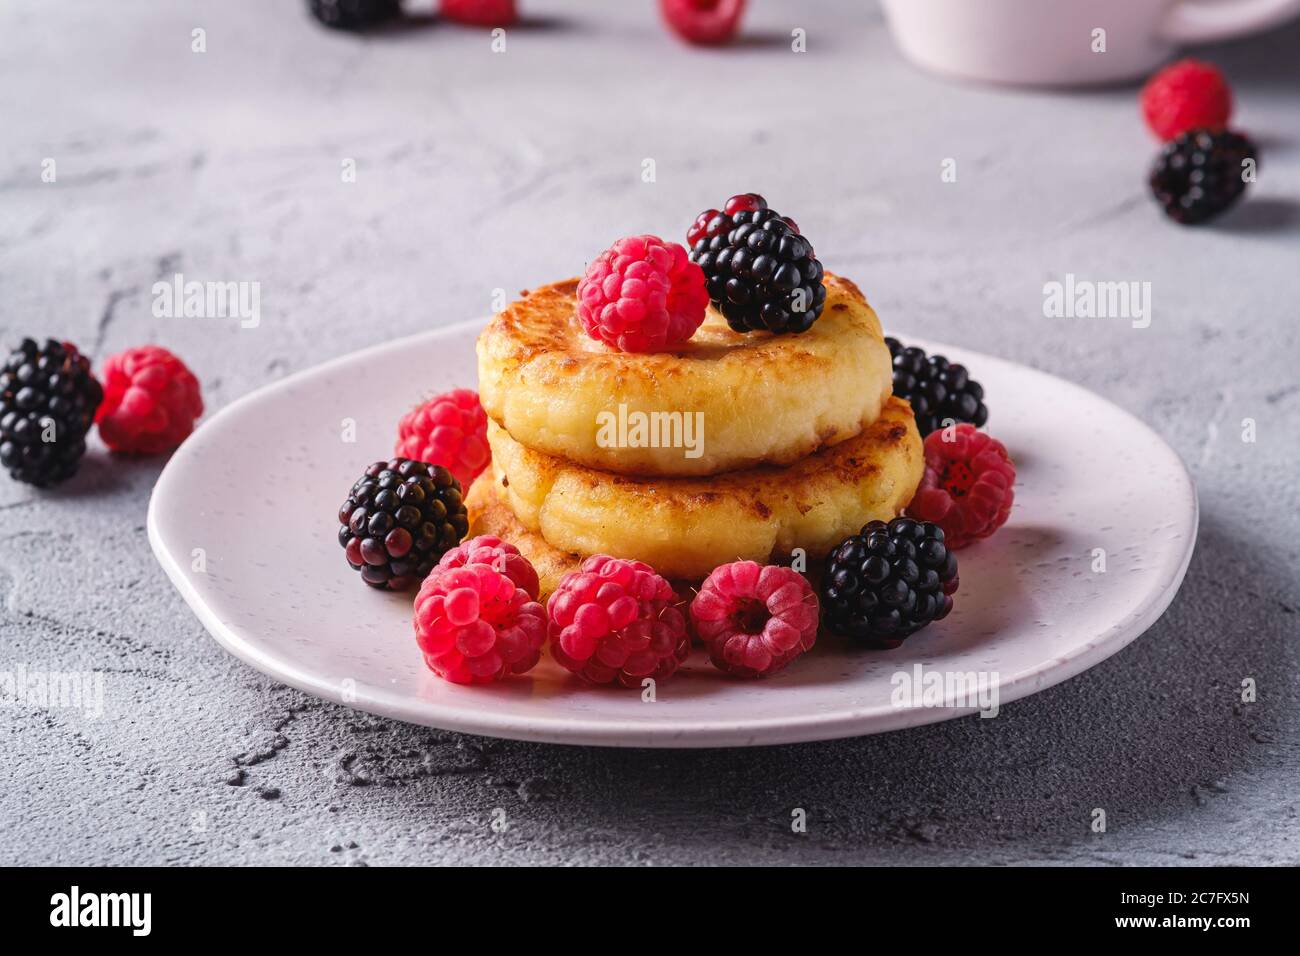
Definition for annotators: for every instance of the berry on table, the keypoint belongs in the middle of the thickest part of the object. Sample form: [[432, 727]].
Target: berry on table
[[1186, 95], [497, 554], [939, 391], [480, 13], [615, 621], [967, 485], [706, 22], [353, 14], [642, 294], [475, 626], [399, 518], [1200, 174], [760, 273], [449, 430], [754, 619], [888, 582], [48, 399], [151, 401]]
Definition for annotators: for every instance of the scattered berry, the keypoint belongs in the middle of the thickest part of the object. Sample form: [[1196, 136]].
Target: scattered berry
[[706, 22], [399, 519], [353, 14], [1184, 96], [760, 272], [480, 13], [497, 554], [755, 619], [1200, 174], [48, 399], [475, 626], [938, 390], [967, 486], [151, 400], [642, 294], [888, 582], [449, 430], [615, 620]]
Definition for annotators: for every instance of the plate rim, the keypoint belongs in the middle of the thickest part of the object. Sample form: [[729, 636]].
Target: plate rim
[[619, 732]]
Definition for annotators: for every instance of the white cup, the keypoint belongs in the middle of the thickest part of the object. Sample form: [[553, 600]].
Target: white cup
[[1056, 43]]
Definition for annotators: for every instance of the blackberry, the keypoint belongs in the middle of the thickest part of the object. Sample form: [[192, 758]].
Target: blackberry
[[401, 517], [1200, 174], [938, 390], [759, 271], [888, 582], [48, 399], [353, 14]]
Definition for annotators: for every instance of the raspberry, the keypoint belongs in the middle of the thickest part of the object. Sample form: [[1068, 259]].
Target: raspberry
[[151, 400], [703, 21], [449, 430], [615, 620], [480, 13], [1186, 95], [497, 554], [966, 489], [755, 619], [642, 294], [475, 626]]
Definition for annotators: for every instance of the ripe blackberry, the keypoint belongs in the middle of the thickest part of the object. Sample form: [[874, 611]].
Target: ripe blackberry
[[401, 517], [759, 271], [48, 399], [1200, 174], [938, 390], [888, 582], [353, 14]]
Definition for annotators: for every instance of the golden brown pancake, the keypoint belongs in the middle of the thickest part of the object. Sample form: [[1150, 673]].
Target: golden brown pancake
[[761, 398], [685, 527], [489, 514]]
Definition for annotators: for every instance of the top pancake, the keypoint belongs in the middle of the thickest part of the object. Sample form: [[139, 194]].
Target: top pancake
[[757, 398]]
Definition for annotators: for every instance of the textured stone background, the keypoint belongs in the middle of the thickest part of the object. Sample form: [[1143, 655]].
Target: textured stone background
[[478, 170]]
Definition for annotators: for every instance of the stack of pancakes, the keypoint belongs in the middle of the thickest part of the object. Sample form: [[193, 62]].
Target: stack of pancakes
[[734, 446]]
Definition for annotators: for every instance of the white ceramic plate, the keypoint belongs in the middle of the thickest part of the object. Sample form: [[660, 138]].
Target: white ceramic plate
[[243, 521]]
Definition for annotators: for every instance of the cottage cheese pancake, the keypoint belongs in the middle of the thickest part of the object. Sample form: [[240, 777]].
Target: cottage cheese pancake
[[685, 527], [721, 402], [489, 514]]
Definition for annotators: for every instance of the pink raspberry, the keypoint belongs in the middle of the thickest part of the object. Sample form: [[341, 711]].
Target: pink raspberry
[[1184, 96], [755, 619], [449, 430], [151, 400], [475, 626], [642, 294], [480, 13], [497, 554], [706, 22], [967, 486], [614, 620]]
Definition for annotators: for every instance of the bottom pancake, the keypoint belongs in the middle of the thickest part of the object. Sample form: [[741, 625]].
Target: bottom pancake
[[489, 514], [685, 527]]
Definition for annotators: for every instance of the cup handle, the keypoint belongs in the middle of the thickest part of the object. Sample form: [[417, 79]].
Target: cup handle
[[1192, 22]]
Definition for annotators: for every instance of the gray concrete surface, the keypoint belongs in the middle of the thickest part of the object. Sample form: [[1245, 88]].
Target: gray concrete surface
[[479, 170]]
